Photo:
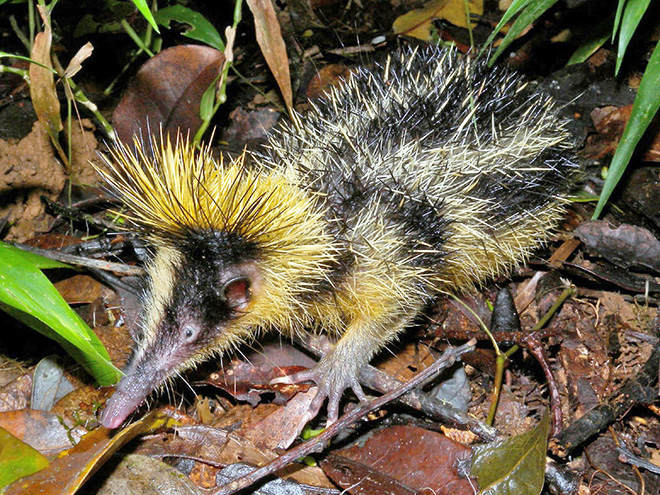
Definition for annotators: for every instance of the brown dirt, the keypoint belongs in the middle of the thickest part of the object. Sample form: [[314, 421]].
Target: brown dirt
[[30, 169]]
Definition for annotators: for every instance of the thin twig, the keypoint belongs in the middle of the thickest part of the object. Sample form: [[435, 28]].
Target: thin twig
[[72, 259], [628, 457], [76, 214], [535, 348]]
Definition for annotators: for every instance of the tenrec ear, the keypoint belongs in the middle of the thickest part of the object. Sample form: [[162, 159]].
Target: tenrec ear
[[237, 293]]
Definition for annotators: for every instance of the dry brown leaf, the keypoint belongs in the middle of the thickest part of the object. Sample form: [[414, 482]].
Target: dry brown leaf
[[269, 37], [42, 84], [218, 447], [402, 460], [79, 289], [76, 62]]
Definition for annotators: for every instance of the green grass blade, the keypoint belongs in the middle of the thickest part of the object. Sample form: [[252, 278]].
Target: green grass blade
[[599, 36], [28, 295], [644, 109], [588, 49], [515, 7], [632, 15], [146, 13], [531, 13], [617, 18], [27, 59]]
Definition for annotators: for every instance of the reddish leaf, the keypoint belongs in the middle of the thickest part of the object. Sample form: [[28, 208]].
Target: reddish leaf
[[52, 241], [610, 123], [402, 459], [360, 479], [280, 429], [247, 382], [79, 289], [330, 76], [167, 91]]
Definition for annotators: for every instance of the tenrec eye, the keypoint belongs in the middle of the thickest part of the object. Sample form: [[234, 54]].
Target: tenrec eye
[[189, 333]]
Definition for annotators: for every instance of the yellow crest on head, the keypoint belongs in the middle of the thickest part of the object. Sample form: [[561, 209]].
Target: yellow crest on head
[[177, 190]]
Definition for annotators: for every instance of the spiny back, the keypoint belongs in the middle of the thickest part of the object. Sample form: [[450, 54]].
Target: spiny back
[[467, 166]]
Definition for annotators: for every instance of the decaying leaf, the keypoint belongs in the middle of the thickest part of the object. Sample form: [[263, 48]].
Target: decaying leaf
[[42, 84], [73, 467], [76, 62], [626, 246], [269, 37], [17, 459]]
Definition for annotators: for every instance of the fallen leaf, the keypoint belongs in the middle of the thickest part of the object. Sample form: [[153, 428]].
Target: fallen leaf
[[219, 448], [166, 93], [17, 459], [402, 459], [279, 429], [72, 468], [626, 246], [138, 474], [79, 289], [247, 127], [329, 76], [76, 62], [610, 123], [418, 23], [41, 430], [50, 384]]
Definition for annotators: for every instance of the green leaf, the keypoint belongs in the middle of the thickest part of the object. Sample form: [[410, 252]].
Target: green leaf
[[644, 109], [146, 13], [632, 15], [28, 295], [207, 102], [200, 28], [531, 13], [17, 459], [515, 7], [617, 18], [513, 466], [600, 35]]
